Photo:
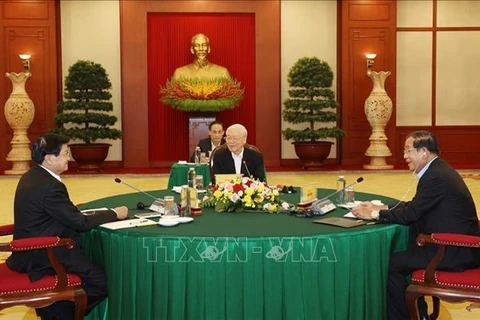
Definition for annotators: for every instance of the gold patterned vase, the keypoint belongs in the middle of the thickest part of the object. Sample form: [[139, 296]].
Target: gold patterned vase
[[19, 113], [378, 109]]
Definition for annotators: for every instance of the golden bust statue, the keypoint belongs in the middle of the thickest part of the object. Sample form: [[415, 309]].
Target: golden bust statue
[[201, 67]]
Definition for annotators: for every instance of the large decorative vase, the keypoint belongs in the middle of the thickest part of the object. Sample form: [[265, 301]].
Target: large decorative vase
[[19, 113], [378, 109]]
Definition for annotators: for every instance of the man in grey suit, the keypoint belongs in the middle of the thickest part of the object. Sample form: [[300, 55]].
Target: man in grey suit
[[42, 207], [442, 203]]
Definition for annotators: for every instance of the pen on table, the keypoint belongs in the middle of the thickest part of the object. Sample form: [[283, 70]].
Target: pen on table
[[370, 223]]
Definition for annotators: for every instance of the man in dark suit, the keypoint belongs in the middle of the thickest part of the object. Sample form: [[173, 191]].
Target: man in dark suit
[[442, 203], [215, 139], [236, 158], [42, 207]]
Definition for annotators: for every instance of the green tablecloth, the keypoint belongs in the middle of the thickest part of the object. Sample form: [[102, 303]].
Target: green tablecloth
[[179, 172], [246, 265]]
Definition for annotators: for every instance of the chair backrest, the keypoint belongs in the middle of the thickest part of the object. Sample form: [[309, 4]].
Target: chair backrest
[[210, 161], [251, 146], [255, 148]]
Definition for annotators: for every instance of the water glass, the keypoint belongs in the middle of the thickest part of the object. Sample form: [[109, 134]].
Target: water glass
[[199, 182], [349, 195], [169, 206]]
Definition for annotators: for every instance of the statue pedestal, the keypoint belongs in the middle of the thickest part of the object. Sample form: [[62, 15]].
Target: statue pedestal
[[19, 113], [378, 109]]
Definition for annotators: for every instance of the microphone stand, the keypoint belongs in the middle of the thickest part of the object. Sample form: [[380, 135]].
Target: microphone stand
[[157, 205], [248, 171]]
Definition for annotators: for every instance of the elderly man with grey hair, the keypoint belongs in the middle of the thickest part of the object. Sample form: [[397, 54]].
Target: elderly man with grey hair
[[238, 159]]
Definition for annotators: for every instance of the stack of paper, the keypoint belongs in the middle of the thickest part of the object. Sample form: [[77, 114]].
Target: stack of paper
[[130, 223]]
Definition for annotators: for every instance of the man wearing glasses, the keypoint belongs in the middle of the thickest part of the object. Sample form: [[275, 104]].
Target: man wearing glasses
[[42, 207], [236, 159], [442, 203]]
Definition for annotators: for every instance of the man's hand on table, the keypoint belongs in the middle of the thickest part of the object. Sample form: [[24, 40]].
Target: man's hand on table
[[364, 209], [122, 212]]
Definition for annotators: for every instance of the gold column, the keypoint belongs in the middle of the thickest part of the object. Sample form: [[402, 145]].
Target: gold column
[[19, 113]]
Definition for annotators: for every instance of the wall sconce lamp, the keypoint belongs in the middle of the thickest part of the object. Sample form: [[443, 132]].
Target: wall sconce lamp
[[25, 60], [370, 60]]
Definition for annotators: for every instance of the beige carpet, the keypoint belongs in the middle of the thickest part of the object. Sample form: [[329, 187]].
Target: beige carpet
[[84, 188]]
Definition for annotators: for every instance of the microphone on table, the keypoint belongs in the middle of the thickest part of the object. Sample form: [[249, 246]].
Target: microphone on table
[[324, 205], [157, 204], [246, 167]]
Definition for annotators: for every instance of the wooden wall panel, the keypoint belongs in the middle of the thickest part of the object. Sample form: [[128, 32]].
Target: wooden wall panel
[[25, 10], [369, 12], [365, 26], [133, 15], [458, 145], [30, 27]]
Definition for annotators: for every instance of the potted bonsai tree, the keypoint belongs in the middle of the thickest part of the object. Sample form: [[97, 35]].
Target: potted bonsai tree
[[83, 114], [311, 101]]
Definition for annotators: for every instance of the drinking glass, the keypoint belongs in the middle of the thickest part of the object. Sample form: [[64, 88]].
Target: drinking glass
[[349, 195], [199, 182], [170, 207]]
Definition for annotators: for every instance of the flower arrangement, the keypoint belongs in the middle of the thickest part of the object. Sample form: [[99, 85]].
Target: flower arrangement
[[202, 94], [244, 194]]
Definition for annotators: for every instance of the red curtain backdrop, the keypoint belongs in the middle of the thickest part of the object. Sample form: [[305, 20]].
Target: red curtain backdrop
[[232, 42]]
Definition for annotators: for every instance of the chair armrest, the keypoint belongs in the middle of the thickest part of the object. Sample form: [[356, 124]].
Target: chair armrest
[[6, 230], [449, 239], [443, 240], [36, 243], [47, 243]]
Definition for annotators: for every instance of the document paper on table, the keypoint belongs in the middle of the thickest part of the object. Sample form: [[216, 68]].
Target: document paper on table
[[130, 223]]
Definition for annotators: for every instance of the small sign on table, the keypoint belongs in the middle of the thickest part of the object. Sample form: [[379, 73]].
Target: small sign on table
[[308, 194]]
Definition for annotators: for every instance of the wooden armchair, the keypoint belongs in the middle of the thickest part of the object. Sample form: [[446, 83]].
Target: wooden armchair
[[446, 285], [16, 288], [223, 147]]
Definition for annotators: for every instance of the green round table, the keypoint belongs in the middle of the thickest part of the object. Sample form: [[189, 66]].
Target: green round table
[[244, 265]]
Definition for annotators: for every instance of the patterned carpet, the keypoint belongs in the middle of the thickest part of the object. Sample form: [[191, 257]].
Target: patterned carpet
[[474, 176]]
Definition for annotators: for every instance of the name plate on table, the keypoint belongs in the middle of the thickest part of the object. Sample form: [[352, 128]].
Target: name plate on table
[[158, 206], [322, 206], [223, 177], [308, 194]]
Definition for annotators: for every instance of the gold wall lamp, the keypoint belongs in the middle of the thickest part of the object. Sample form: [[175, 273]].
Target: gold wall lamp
[[370, 60], [25, 60]]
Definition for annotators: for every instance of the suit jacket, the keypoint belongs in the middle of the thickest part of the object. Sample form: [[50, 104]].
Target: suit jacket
[[253, 163], [205, 146], [442, 203], [42, 207]]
